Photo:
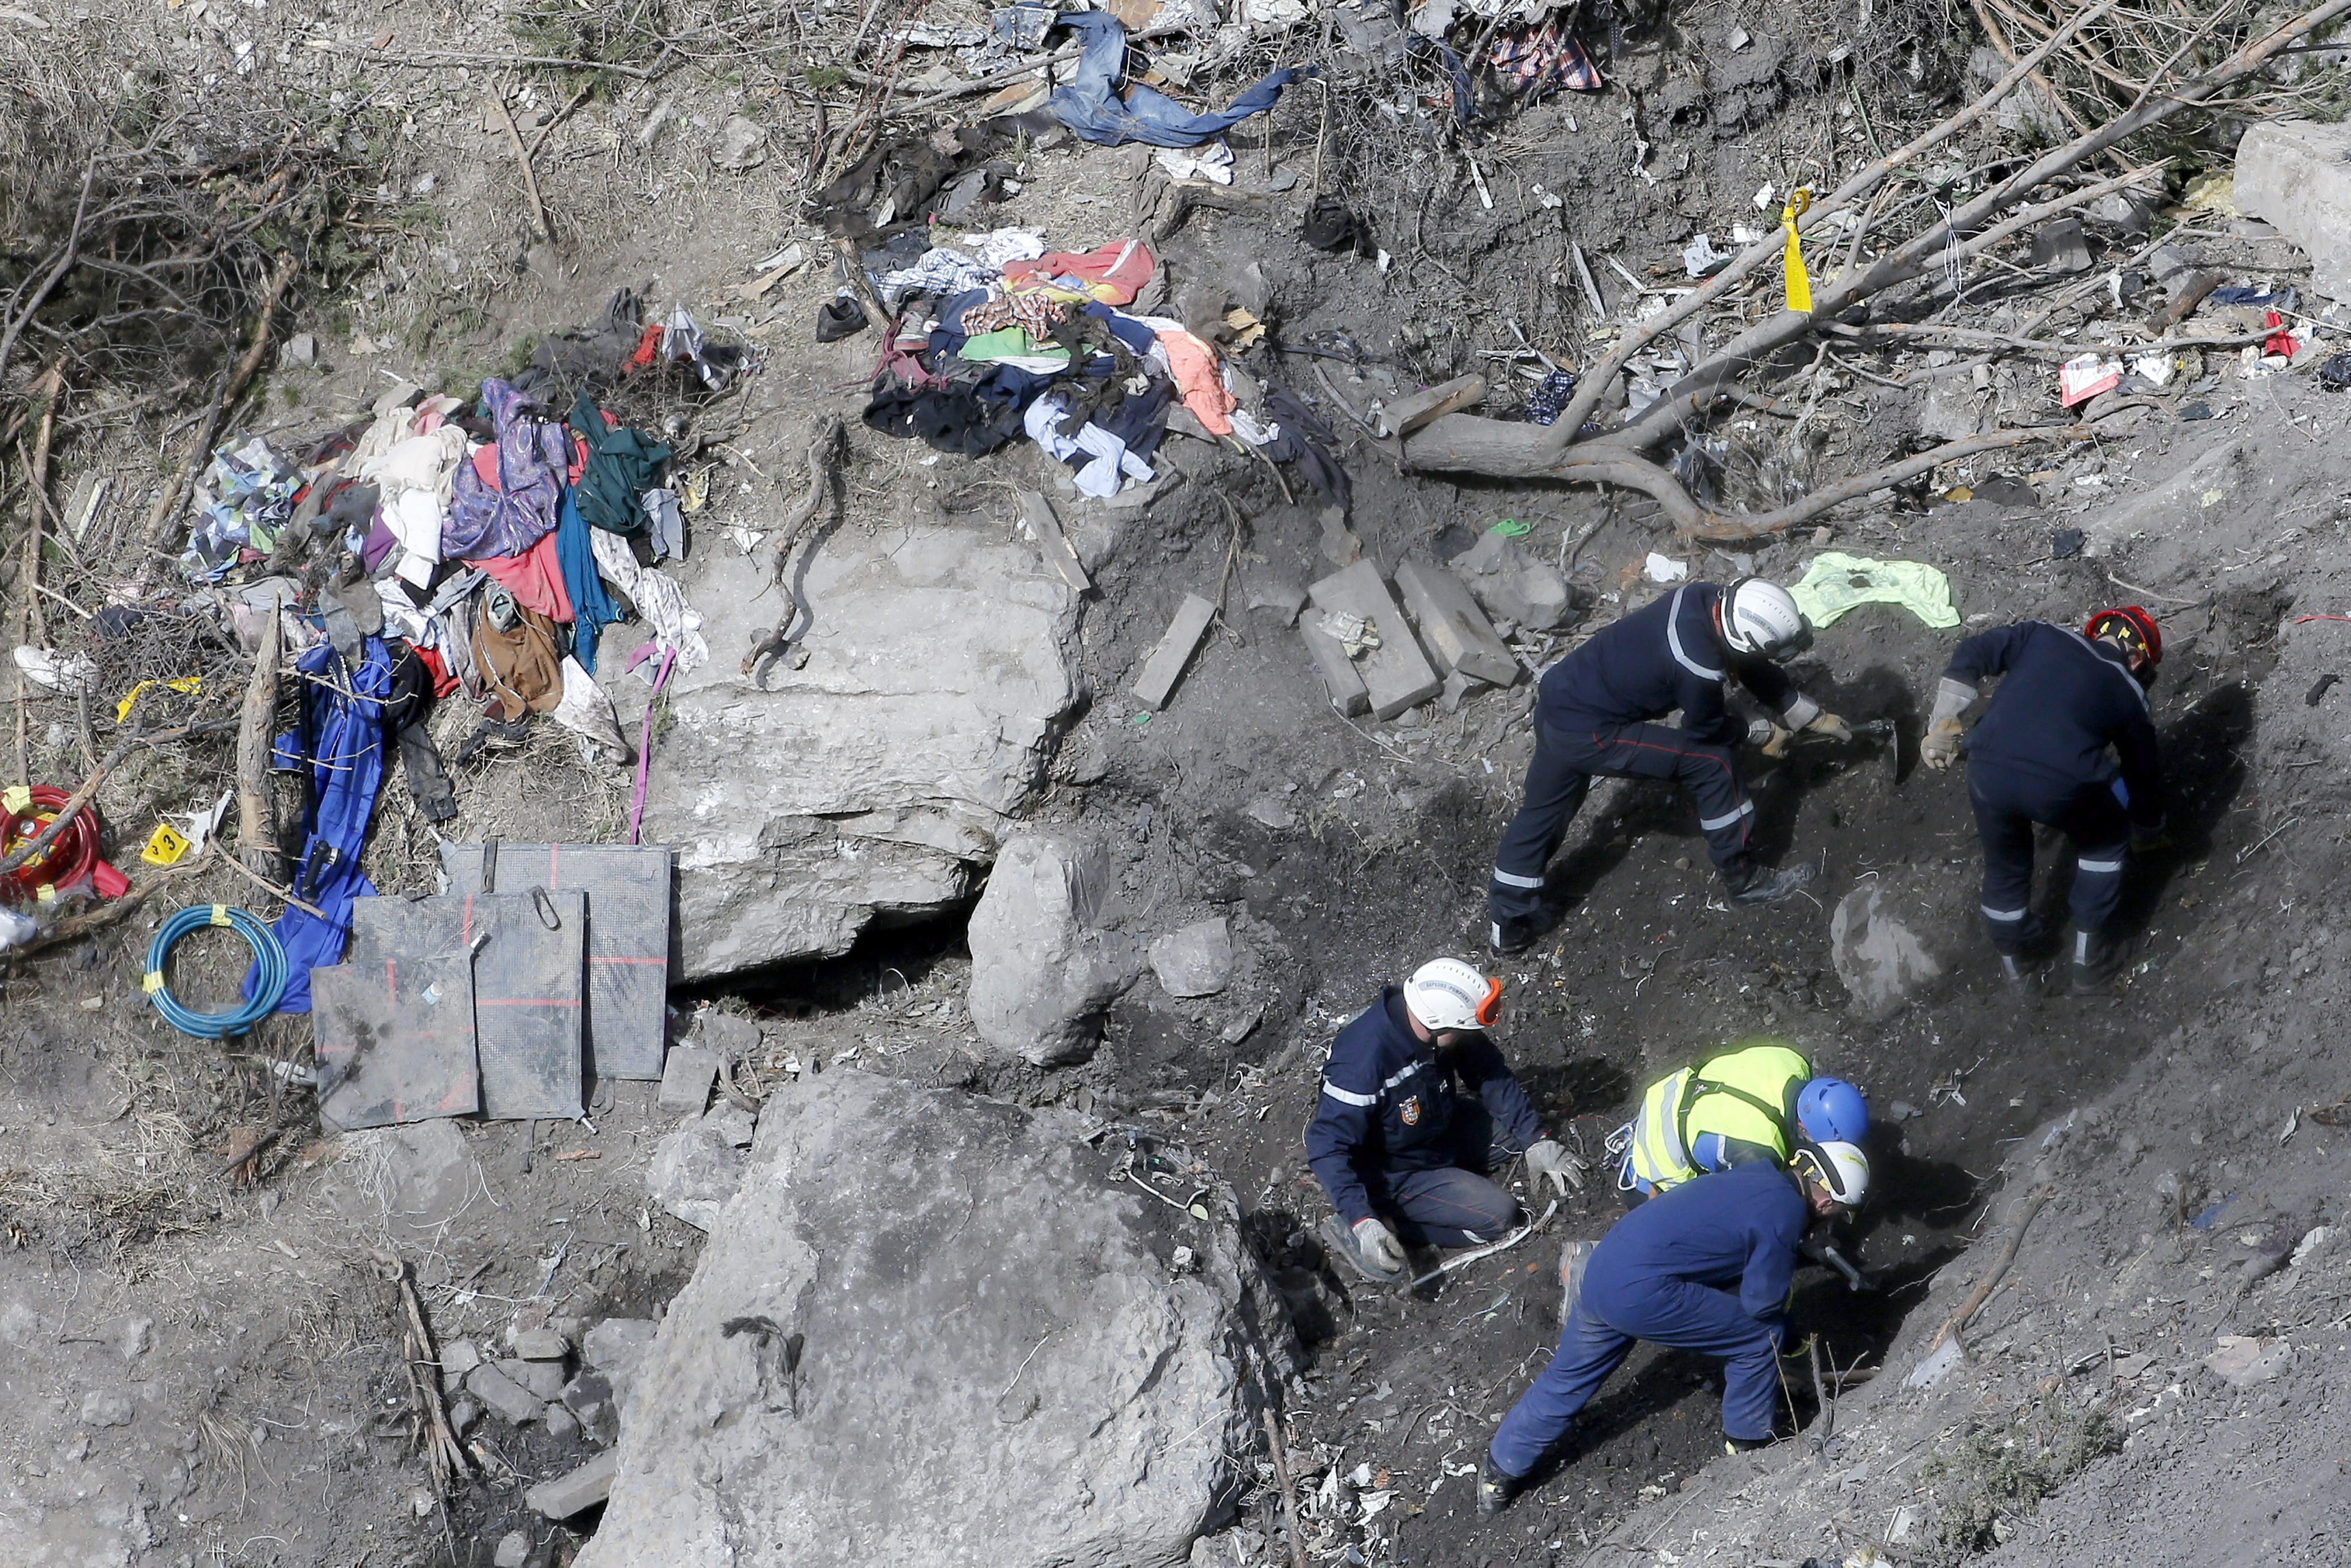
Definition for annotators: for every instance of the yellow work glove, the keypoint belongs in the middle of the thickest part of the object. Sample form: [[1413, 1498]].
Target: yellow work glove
[[1941, 747], [1828, 723]]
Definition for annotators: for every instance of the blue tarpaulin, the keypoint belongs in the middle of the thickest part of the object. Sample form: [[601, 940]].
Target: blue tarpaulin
[[342, 743], [1091, 105]]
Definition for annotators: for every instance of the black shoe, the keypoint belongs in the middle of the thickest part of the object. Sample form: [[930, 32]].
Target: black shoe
[[2097, 961], [1744, 1445], [1509, 938], [1496, 1490], [1339, 1242], [1764, 884]]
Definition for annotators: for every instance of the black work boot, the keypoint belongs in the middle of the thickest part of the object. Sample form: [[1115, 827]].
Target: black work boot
[[1764, 884], [1509, 938], [1496, 1490], [2019, 974], [2097, 959]]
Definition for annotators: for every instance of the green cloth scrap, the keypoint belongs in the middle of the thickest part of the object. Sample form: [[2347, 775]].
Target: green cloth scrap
[[622, 465], [1511, 529], [1838, 583], [1009, 343]]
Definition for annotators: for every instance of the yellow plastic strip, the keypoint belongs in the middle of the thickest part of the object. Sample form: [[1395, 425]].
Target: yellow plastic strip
[[1799, 284], [153, 982], [15, 797], [220, 914]]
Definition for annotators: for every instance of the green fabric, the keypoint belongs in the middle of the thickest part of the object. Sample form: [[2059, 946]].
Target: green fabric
[[622, 465], [1838, 583], [1009, 343]]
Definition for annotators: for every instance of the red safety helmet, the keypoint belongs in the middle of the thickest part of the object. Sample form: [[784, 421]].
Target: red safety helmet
[[2135, 627]]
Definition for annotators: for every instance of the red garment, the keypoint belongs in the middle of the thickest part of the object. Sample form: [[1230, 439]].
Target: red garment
[[485, 465], [1113, 273], [648, 347], [578, 464], [535, 578], [444, 683]]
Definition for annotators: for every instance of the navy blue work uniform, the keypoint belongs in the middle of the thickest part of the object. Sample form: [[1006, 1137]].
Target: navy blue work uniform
[[1395, 1139], [2046, 751], [1595, 716], [1703, 1267]]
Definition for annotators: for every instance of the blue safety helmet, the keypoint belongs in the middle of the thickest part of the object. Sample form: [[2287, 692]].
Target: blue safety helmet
[[1830, 1110]]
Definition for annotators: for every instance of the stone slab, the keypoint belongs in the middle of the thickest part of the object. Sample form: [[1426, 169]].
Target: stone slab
[[1395, 675], [1456, 630], [1156, 683], [686, 1078], [502, 1393], [1340, 677], [1038, 513], [581, 1490]]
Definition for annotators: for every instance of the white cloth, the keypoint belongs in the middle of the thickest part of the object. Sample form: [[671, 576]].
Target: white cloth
[[945, 273], [663, 604], [998, 246], [1113, 464], [588, 713], [415, 478]]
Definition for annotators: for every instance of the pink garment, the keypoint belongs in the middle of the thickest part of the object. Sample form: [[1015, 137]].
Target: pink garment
[[535, 578], [1113, 273], [1193, 365], [486, 463]]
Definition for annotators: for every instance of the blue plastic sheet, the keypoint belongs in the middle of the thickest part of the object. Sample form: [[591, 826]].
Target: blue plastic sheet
[[342, 743], [1091, 106]]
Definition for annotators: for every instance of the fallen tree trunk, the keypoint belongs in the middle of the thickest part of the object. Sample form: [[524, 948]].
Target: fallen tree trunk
[[1498, 449]]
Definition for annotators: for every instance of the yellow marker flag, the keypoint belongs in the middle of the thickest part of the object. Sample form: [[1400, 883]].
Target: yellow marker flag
[[1800, 286]]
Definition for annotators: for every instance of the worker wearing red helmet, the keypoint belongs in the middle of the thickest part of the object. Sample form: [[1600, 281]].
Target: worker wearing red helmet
[[2066, 741]]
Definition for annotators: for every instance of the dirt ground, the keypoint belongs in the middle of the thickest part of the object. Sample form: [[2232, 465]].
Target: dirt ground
[[202, 1368]]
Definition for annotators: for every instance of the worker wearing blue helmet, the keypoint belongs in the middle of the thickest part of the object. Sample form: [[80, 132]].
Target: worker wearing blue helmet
[[1749, 1106]]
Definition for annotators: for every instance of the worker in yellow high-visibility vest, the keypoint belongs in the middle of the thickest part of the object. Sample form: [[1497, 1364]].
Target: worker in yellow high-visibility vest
[[1750, 1105]]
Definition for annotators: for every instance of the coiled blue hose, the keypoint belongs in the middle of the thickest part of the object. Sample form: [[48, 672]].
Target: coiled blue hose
[[266, 954]]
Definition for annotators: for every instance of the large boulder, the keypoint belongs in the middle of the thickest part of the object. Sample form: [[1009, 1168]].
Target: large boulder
[[1899, 931], [873, 782], [1043, 970], [1004, 1358], [1511, 584], [2296, 174]]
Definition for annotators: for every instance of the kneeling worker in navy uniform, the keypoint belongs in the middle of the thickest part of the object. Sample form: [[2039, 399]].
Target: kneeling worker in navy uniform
[[2042, 754], [1704, 1267], [1402, 1151]]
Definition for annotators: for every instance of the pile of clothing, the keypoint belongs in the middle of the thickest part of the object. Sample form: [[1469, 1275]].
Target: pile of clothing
[[446, 547], [998, 339]]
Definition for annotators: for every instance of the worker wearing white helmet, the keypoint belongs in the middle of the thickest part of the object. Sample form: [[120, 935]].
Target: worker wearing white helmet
[[1704, 1267], [1404, 1153], [1595, 715]]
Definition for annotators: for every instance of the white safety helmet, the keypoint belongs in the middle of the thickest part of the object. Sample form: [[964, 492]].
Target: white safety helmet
[[1760, 620], [1841, 1169], [1445, 994]]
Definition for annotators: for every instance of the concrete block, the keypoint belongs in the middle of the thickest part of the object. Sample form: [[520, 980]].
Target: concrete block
[[514, 1551], [502, 1393], [1339, 674], [686, 1078], [1406, 415], [1038, 513], [458, 1357], [1457, 633], [1395, 675], [1159, 673], [584, 1488], [2296, 174]]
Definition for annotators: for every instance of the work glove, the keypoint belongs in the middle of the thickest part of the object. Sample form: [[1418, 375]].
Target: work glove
[[1828, 723], [1941, 747], [1548, 1160], [1379, 1246], [1775, 744]]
